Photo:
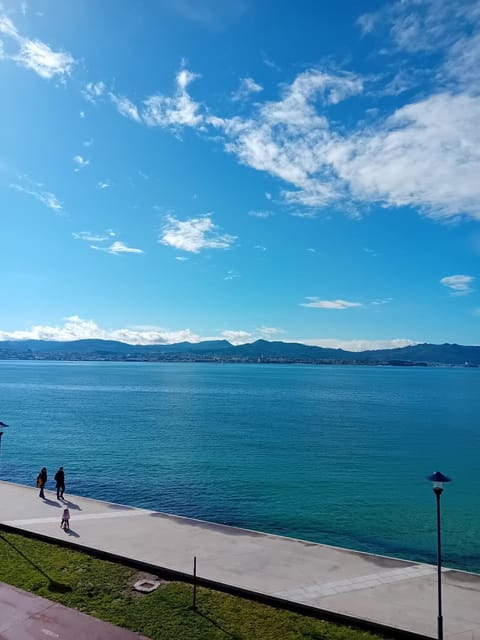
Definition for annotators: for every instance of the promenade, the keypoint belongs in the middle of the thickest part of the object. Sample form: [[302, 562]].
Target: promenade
[[393, 593]]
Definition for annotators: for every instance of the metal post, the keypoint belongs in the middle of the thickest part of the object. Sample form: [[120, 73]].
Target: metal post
[[194, 582], [438, 493]]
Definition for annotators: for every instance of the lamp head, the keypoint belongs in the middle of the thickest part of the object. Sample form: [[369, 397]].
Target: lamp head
[[438, 479]]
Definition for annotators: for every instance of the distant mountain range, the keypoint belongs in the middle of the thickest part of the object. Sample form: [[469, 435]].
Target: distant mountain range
[[222, 350]]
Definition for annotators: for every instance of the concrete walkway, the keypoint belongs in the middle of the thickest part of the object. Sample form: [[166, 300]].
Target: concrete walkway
[[394, 593], [24, 616]]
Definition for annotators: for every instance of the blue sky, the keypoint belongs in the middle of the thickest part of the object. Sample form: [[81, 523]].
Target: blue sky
[[186, 170]]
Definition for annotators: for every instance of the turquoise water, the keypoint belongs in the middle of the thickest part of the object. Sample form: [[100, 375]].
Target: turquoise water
[[327, 453]]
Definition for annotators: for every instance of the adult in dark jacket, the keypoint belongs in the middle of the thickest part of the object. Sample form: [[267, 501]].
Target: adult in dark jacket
[[42, 481], [60, 481]]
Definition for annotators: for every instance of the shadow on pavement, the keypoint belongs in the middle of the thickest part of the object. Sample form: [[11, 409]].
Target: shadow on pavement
[[72, 533], [51, 503], [70, 505], [53, 585]]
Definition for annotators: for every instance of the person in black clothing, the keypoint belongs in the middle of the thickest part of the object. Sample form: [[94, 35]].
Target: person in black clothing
[[60, 480], [42, 481]]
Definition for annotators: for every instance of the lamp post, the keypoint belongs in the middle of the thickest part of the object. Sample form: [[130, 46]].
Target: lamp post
[[438, 480], [2, 425]]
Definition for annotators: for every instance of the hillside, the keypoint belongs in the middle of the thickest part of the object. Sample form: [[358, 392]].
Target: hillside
[[259, 351]]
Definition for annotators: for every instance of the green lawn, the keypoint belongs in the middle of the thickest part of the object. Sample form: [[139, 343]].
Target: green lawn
[[104, 590]]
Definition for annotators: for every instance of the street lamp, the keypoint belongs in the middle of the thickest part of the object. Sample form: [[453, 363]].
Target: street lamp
[[438, 480], [2, 425]]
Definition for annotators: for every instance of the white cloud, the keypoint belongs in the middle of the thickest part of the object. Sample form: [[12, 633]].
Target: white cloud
[[117, 247], [47, 198], [329, 304], [105, 184], [247, 87], [35, 54], [40, 58], [76, 328], [92, 91], [194, 234], [125, 107], [288, 138], [173, 111], [260, 247], [181, 258], [82, 114], [237, 337], [231, 275], [80, 162], [427, 154], [269, 332], [8, 28], [357, 345], [459, 284]]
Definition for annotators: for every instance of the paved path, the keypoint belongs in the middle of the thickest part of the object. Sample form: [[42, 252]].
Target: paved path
[[386, 591], [24, 616]]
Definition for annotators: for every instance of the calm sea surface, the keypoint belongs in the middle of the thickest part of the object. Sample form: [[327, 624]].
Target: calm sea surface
[[327, 453]]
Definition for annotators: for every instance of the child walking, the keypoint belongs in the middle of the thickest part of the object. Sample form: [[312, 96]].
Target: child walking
[[65, 523]]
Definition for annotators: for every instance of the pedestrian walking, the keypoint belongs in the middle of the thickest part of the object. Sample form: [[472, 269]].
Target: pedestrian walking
[[42, 481], [65, 523], [60, 482]]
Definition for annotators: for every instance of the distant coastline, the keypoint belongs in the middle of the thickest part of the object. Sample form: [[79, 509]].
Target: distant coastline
[[221, 351]]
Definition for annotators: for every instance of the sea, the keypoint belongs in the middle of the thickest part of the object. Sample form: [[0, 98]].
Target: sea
[[326, 453]]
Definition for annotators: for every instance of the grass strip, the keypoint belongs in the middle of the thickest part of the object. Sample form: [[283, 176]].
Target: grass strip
[[104, 590]]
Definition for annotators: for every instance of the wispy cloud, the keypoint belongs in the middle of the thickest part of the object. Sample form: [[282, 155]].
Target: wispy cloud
[[261, 214], [231, 275], [92, 91], [421, 25], [286, 138], [247, 87], [459, 285], [88, 236], [269, 332], [104, 184], [36, 190], [117, 247], [173, 111], [125, 107], [80, 162], [194, 234], [329, 304], [35, 54]]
